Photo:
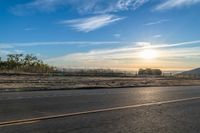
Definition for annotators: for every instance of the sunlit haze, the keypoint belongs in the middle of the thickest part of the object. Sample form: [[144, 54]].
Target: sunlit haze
[[149, 54]]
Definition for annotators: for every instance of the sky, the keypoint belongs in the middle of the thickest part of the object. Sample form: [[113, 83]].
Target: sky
[[116, 34]]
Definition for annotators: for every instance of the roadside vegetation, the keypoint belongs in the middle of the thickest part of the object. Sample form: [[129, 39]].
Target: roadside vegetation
[[24, 63], [19, 63], [95, 72]]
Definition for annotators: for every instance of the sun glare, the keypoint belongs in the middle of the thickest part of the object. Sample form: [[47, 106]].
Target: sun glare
[[148, 54]]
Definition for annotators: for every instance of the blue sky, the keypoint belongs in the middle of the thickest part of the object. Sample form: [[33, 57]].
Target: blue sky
[[103, 33]]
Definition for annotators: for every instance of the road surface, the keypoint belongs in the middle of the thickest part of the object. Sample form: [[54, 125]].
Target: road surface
[[128, 110]]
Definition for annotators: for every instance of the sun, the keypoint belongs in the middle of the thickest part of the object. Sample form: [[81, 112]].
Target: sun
[[148, 54]]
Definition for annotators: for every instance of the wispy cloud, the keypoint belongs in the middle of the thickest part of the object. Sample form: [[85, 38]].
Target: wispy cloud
[[92, 23], [157, 22], [120, 5], [29, 29], [117, 35], [37, 5], [86, 6], [143, 45], [157, 36], [127, 4], [168, 4]]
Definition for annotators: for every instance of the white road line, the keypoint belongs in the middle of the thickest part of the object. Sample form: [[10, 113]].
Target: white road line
[[37, 119]]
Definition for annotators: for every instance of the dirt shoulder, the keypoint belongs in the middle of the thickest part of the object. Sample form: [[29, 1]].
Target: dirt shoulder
[[38, 82]]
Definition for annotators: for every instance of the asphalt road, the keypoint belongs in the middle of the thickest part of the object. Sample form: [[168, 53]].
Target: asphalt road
[[128, 110]]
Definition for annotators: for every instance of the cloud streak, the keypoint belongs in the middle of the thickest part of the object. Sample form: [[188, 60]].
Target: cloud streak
[[156, 22], [92, 23], [29, 29], [137, 45], [169, 4], [80, 43], [157, 36], [5, 46]]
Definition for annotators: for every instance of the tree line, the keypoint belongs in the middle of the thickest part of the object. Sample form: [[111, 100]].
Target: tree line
[[24, 63], [149, 71]]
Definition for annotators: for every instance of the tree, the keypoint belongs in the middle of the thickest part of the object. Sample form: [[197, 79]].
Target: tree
[[141, 72], [149, 71], [157, 72]]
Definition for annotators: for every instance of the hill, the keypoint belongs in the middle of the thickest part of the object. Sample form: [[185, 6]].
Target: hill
[[195, 72]]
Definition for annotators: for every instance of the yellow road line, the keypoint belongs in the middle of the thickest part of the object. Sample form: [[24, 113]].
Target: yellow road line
[[37, 119], [20, 123]]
